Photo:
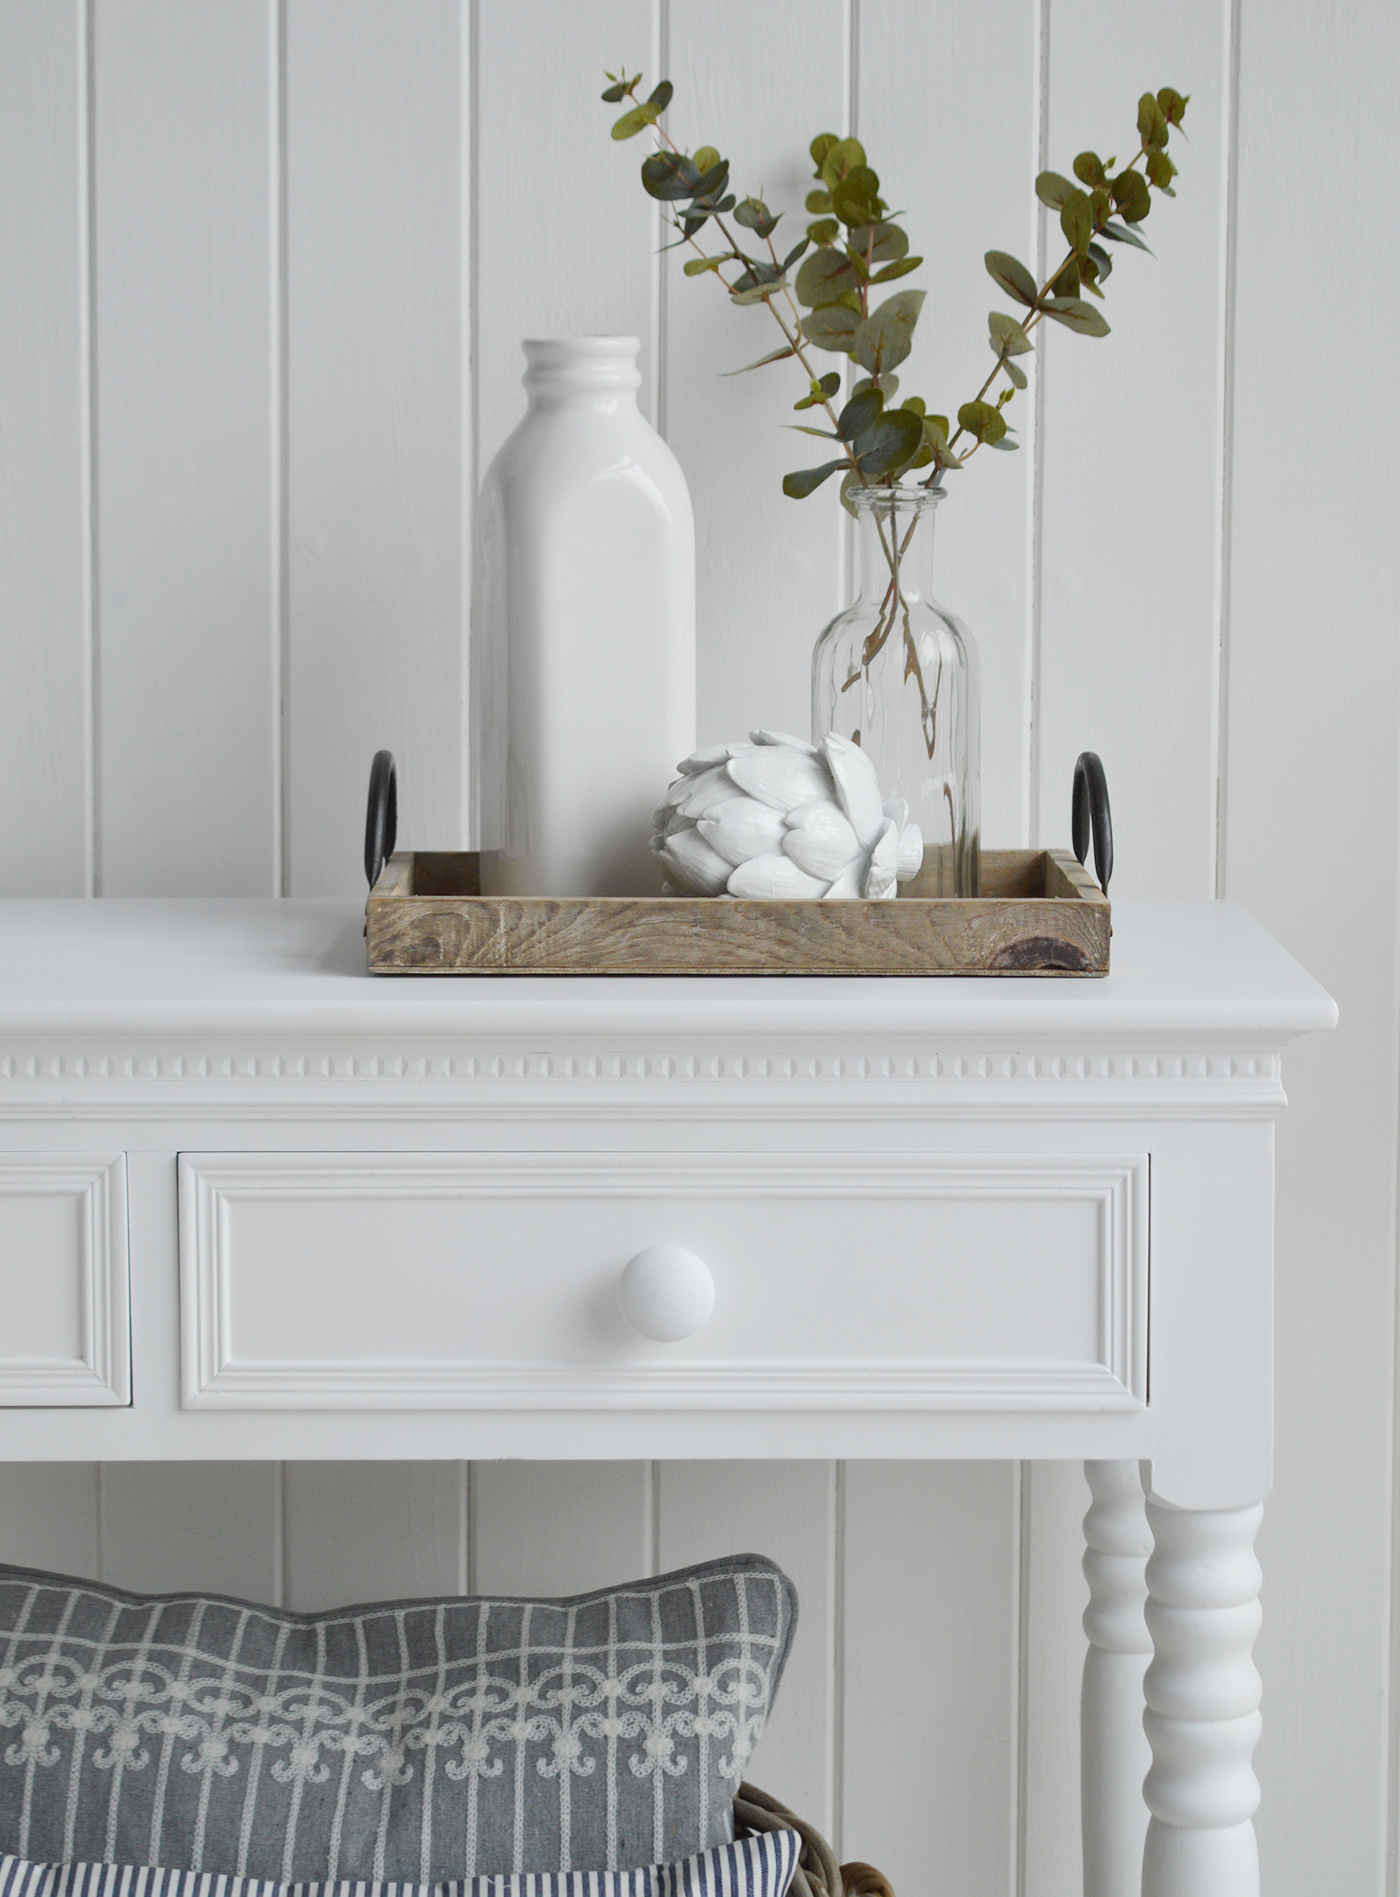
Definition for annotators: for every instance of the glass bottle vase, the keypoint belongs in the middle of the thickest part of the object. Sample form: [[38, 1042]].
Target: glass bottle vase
[[897, 674]]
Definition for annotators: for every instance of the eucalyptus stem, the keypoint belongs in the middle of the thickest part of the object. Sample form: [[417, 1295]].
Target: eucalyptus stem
[[880, 444]]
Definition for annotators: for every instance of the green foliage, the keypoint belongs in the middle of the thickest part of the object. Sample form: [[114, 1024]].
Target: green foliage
[[853, 245]]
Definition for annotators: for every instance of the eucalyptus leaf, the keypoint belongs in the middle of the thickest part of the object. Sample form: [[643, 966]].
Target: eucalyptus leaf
[[755, 292], [1052, 189], [755, 216], [936, 436], [879, 243], [821, 145], [823, 277], [794, 254], [806, 481], [637, 120], [860, 414], [888, 385], [778, 355], [1004, 445], [1076, 314], [712, 179], [1066, 281], [1018, 376], [1173, 105], [818, 202], [852, 484], [1152, 122], [854, 205], [1101, 261], [1131, 195], [893, 270], [669, 176], [923, 454], [1161, 171], [1006, 335], [883, 339], [1121, 234], [1012, 276], [916, 405], [824, 231], [1077, 221], [705, 158], [821, 391], [982, 420], [842, 156], [1088, 168], [892, 444], [615, 93], [833, 327], [697, 266], [822, 434]]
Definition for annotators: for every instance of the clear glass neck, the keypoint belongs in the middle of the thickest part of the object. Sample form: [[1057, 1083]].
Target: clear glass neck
[[894, 535], [587, 371]]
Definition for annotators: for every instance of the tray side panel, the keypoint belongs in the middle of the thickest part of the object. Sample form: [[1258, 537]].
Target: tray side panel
[[442, 935]]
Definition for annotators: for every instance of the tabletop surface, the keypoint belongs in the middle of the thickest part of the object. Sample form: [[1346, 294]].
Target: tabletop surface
[[180, 964]]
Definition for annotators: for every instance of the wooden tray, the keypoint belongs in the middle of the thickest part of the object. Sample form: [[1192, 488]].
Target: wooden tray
[[1040, 913]]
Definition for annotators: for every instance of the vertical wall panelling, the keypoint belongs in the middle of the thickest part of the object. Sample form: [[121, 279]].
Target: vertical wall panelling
[[375, 365], [1132, 457], [167, 1526], [929, 1626], [565, 235], [48, 1516], [964, 175], [559, 1527], [1314, 690], [759, 83], [786, 1510], [186, 446], [1053, 1662], [45, 766], [372, 1531]]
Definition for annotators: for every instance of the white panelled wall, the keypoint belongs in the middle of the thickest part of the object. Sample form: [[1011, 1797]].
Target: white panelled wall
[[264, 270]]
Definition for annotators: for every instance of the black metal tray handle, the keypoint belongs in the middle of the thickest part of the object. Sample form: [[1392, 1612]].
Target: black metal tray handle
[[1090, 805], [382, 816], [1090, 809]]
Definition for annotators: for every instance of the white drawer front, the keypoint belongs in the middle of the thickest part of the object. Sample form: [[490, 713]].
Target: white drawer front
[[478, 1281], [64, 1326]]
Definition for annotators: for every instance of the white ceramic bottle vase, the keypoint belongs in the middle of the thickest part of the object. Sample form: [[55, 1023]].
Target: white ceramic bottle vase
[[583, 633]]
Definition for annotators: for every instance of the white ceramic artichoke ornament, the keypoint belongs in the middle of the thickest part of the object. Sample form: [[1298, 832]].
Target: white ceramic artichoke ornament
[[780, 819]]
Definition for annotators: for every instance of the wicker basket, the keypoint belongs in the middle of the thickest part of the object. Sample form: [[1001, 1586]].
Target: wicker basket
[[818, 1874]]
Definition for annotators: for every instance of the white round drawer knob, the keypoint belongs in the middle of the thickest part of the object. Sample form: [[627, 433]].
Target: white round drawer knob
[[666, 1293]]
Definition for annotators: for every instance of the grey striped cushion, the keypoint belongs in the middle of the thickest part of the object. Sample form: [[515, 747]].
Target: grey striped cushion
[[751, 1867], [412, 1741]]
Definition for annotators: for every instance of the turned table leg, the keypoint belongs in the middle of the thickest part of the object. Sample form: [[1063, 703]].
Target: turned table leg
[[1202, 1692], [1114, 1754]]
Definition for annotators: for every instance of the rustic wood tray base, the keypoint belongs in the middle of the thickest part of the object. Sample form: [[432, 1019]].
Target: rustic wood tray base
[[1040, 913]]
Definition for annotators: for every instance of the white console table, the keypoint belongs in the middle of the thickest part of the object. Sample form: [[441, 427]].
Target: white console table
[[254, 1203]]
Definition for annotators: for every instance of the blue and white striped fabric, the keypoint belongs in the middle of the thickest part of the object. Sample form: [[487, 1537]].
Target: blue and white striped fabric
[[760, 1866]]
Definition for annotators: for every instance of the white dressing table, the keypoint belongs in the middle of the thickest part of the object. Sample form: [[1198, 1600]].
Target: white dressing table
[[254, 1203]]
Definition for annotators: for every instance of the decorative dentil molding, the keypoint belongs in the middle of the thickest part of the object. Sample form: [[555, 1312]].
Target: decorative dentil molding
[[348, 1079]]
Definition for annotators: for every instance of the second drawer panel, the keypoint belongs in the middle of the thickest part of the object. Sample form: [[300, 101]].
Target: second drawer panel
[[448, 1281]]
